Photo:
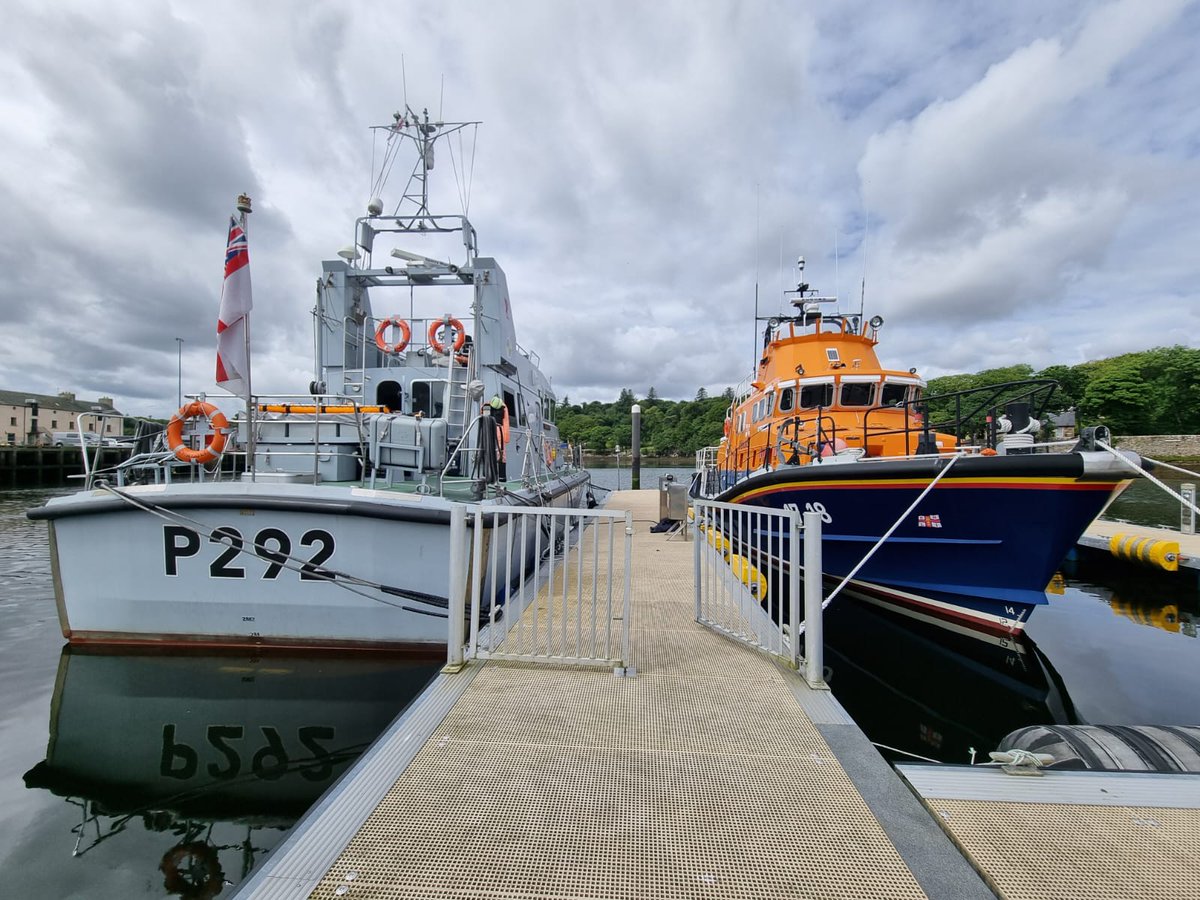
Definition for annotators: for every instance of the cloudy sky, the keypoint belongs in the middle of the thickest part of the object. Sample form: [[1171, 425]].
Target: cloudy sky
[[1013, 182]]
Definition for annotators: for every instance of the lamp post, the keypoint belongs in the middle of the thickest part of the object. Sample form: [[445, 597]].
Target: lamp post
[[179, 360], [636, 478]]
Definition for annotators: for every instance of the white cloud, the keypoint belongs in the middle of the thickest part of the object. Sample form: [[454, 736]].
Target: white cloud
[[1027, 173]]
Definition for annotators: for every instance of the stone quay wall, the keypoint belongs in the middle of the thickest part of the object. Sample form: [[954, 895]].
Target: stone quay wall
[[1162, 446]]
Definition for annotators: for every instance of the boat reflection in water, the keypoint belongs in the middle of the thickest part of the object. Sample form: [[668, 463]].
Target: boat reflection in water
[[218, 753], [936, 690]]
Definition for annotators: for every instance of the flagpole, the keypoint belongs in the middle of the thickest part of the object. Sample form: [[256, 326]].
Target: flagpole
[[244, 210]]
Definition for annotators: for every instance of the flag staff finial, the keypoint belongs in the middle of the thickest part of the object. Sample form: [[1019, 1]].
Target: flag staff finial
[[243, 204]]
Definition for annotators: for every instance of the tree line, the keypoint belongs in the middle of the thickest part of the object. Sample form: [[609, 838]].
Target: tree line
[[669, 427], [1150, 392]]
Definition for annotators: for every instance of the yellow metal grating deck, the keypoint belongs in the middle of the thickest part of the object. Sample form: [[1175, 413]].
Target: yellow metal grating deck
[[699, 778], [1051, 851], [1071, 835]]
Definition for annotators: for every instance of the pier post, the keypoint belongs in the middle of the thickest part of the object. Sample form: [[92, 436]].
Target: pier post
[[636, 480], [456, 609], [814, 639]]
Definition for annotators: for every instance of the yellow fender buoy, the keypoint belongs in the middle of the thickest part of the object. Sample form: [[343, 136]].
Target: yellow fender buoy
[[1161, 554], [748, 575]]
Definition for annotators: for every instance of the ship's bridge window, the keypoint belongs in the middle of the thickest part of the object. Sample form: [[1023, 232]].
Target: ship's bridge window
[[762, 409], [896, 390], [787, 399], [817, 393], [893, 394], [858, 390]]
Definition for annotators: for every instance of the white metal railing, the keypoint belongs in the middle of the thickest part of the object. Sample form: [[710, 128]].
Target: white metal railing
[[545, 585], [746, 586]]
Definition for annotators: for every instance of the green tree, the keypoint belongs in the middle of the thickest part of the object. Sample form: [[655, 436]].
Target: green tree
[[1120, 397]]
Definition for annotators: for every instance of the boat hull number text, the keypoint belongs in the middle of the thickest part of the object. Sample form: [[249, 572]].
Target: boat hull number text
[[817, 507], [271, 545]]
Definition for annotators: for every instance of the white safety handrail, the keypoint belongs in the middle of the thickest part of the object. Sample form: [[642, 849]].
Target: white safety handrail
[[542, 585], [747, 584]]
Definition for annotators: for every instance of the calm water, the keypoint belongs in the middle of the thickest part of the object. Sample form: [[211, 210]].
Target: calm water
[[115, 769], [152, 776], [1117, 645]]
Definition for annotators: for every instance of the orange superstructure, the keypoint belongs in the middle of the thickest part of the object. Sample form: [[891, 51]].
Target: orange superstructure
[[819, 391]]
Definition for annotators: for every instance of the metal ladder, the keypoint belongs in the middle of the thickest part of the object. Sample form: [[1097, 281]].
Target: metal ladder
[[456, 401]]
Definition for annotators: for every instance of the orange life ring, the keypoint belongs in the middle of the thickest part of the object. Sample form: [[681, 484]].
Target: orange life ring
[[460, 336], [201, 876], [220, 435], [405, 334]]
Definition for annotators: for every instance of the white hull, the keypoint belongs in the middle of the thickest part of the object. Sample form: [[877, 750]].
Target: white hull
[[216, 737], [378, 566]]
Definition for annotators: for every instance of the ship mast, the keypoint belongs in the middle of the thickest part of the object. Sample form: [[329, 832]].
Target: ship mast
[[412, 211]]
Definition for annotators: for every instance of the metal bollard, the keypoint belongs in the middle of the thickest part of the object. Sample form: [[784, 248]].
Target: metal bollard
[[814, 642]]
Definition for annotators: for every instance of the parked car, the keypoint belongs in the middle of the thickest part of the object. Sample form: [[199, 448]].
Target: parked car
[[71, 439]]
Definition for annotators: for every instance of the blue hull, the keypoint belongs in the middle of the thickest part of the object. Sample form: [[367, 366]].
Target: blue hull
[[982, 545]]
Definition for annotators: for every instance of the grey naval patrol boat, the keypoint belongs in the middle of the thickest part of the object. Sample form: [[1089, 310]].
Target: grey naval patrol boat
[[332, 529]]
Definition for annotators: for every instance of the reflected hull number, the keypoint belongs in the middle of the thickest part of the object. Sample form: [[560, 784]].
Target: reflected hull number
[[271, 545], [227, 755]]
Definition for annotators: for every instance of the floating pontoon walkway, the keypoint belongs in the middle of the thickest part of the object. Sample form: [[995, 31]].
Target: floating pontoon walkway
[[712, 772]]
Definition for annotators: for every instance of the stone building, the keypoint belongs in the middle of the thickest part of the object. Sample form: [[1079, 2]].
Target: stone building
[[27, 418]]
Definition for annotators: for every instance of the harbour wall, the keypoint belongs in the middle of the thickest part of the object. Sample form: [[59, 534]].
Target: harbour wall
[[1162, 446]]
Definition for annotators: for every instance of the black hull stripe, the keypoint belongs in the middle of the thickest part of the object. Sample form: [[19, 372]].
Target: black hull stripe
[[1038, 465]]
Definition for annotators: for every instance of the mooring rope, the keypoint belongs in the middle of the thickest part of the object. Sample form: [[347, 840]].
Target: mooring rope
[[1140, 471], [904, 515]]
